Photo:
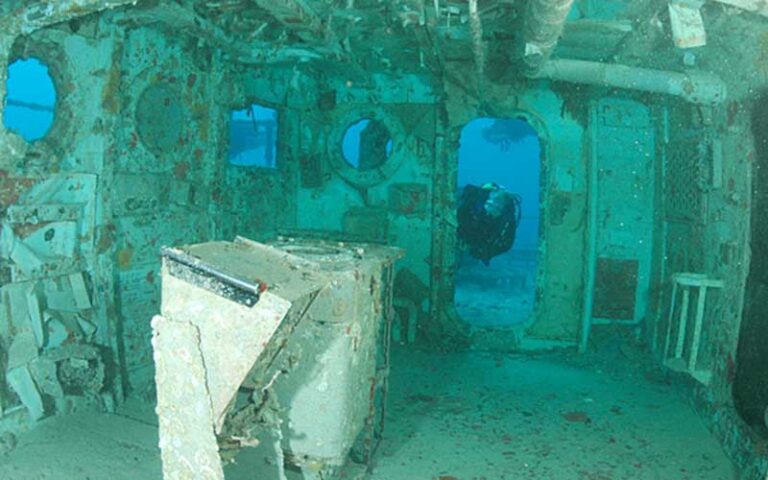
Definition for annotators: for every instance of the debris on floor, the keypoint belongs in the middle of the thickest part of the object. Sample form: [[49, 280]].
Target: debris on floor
[[457, 416]]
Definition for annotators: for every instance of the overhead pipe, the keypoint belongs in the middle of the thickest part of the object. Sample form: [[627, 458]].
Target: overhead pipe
[[699, 87], [542, 27]]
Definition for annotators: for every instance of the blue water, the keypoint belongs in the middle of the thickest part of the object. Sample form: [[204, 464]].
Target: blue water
[[506, 152], [515, 165], [350, 145], [253, 137], [31, 99]]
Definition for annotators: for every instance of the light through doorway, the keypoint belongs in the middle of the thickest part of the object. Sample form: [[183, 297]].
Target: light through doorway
[[505, 152]]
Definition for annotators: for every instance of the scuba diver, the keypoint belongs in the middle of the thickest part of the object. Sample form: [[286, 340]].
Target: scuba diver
[[488, 218]]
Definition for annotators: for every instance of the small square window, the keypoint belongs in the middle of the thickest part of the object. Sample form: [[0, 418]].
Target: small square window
[[253, 137]]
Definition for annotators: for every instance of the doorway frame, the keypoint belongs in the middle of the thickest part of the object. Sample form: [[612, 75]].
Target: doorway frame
[[538, 126], [445, 238]]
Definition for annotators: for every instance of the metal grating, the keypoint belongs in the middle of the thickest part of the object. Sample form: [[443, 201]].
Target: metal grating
[[685, 247], [685, 176]]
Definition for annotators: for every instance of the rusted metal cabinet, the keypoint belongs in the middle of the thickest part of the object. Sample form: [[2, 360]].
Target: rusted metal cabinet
[[282, 344]]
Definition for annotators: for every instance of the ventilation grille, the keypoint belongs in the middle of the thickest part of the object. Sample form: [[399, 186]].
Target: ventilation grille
[[685, 177]]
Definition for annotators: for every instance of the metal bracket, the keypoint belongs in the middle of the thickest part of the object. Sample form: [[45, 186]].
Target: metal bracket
[[190, 269]]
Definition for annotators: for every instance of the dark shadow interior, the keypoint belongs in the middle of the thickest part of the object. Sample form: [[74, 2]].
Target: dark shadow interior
[[750, 388]]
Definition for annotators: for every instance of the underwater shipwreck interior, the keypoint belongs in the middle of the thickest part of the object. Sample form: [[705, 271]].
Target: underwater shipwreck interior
[[384, 239]]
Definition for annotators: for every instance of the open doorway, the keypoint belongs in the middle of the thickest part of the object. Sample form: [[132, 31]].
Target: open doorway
[[504, 152]]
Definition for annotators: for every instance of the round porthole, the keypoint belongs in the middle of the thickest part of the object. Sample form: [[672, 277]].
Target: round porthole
[[160, 118], [367, 149], [31, 99], [367, 144]]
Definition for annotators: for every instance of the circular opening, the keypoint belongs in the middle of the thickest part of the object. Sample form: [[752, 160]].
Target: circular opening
[[160, 118], [367, 144], [31, 99]]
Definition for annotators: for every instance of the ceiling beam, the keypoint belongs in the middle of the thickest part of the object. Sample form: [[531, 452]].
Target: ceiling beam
[[185, 20], [47, 13], [294, 15]]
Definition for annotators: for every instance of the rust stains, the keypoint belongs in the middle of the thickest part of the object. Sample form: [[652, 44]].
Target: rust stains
[[106, 239], [181, 170], [124, 257]]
